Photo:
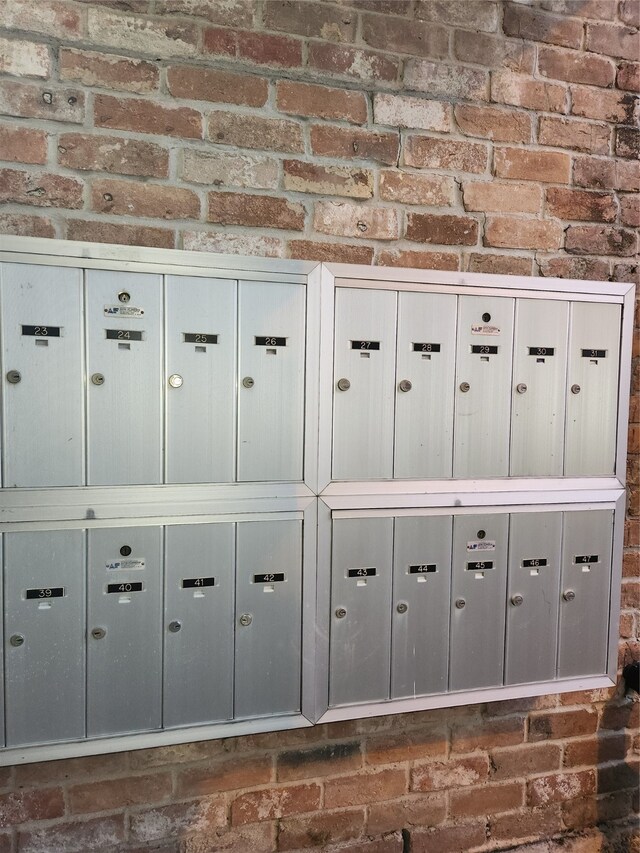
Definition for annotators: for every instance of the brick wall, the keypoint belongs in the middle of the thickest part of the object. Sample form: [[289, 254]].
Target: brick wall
[[450, 134]]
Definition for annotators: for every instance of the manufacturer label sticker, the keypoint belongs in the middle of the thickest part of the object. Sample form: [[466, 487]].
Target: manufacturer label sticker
[[128, 311], [484, 330], [481, 545], [124, 565]]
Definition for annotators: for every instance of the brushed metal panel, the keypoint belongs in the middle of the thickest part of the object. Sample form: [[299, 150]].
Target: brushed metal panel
[[538, 387], [269, 647], [535, 542], [481, 429], [421, 584], [363, 415], [198, 657], [45, 676], [43, 412], [584, 618], [478, 627], [124, 667], [592, 412], [426, 358], [200, 441], [360, 640], [125, 412], [271, 411]]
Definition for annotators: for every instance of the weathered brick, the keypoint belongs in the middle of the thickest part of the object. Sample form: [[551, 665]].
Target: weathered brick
[[327, 180], [257, 838], [47, 17], [628, 142], [599, 9], [41, 101], [499, 197], [487, 734], [405, 36], [582, 268], [258, 211], [522, 91], [246, 131], [324, 760], [403, 111], [315, 20], [628, 76], [444, 230], [143, 116], [25, 225], [306, 99], [629, 12], [600, 240], [24, 58], [240, 12], [617, 777], [562, 724], [604, 104], [20, 144], [545, 166], [493, 51], [220, 41], [269, 49], [575, 66], [479, 16], [98, 231], [275, 803], [458, 773], [631, 559], [352, 63], [613, 40], [233, 244], [39, 189], [350, 220], [226, 169], [510, 233], [630, 211], [490, 799], [509, 707], [74, 837], [224, 775], [525, 760], [141, 35], [628, 176], [320, 829], [116, 793], [499, 264], [128, 198], [630, 594], [594, 173], [535, 25], [492, 123], [22, 806], [449, 839], [531, 824], [333, 141], [160, 756], [452, 155], [178, 818], [592, 751], [344, 253], [416, 259], [414, 188], [210, 84], [574, 134], [112, 154], [417, 811], [391, 748], [450, 81], [557, 787], [364, 788], [580, 204], [108, 71]]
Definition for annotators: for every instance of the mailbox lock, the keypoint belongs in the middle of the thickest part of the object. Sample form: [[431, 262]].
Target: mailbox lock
[[517, 600], [175, 626], [14, 376], [464, 387], [575, 389], [568, 595], [17, 640], [248, 382], [486, 317], [246, 619], [402, 607], [125, 550], [123, 296], [99, 633], [175, 380], [343, 384], [521, 388], [98, 379], [460, 603], [405, 385], [341, 612]]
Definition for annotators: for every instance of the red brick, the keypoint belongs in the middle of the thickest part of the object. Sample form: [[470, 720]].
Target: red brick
[[316, 20], [229, 169], [41, 101], [575, 67], [479, 16], [160, 756], [574, 134], [458, 773], [421, 811], [618, 777], [444, 230], [220, 41], [275, 803], [112, 154], [604, 104], [24, 58], [247, 131], [350, 220], [351, 63], [562, 724], [589, 269], [252, 838], [130, 235], [522, 91], [493, 51], [490, 799], [558, 787], [239, 11], [208, 84], [20, 144], [68, 769], [629, 11], [178, 818], [531, 824], [108, 71], [535, 25], [589, 752], [47, 17], [233, 244], [405, 36], [499, 264], [525, 760], [333, 141], [143, 116], [391, 748], [327, 180], [119, 793], [414, 188], [226, 775], [628, 142], [267, 49], [22, 806], [126, 198], [545, 166], [364, 788], [25, 225], [320, 829], [628, 76], [627, 626], [142, 35], [600, 240], [324, 760], [502, 197], [580, 204], [631, 559], [255, 210], [306, 99], [74, 837], [510, 233], [452, 155], [599, 9], [449, 839], [420, 260], [403, 111], [613, 40], [39, 189], [594, 173], [630, 211], [492, 123], [450, 81], [630, 596], [343, 253]]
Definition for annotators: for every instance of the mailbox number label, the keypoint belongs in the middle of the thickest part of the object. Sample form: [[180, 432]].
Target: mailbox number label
[[542, 351], [482, 349], [199, 338], [361, 573], [365, 345], [196, 583], [587, 558], [426, 347], [123, 335], [594, 353], [270, 342], [423, 569], [534, 563], [42, 331], [273, 577], [46, 592], [125, 587], [479, 566]]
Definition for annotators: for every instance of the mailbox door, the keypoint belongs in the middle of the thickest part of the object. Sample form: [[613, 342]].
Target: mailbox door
[[360, 634], [268, 618], [483, 383], [124, 345], [592, 392], [45, 606], [425, 359], [271, 381], [535, 540], [479, 585], [585, 592], [421, 593], [538, 387], [198, 624], [124, 663], [42, 341], [200, 327], [364, 365]]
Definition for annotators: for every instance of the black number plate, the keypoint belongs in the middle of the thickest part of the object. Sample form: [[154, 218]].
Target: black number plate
[[274, 577], [46, 592], [423, 569], [479, 566], [196, 583], [587, 558], [426, 347], [594, 353], [534, 563], [542, 351], [42, 331], [270, 342], [199, 338], [123, 335], [361, 573], [484, 349], [125, 587], [365, 345]]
